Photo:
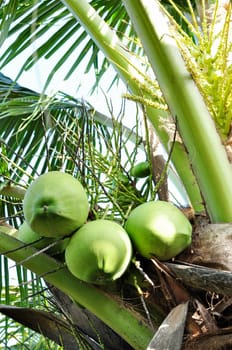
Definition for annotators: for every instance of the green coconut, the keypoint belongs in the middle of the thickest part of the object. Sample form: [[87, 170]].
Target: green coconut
[[158, 229], [141, 170], [55, 204], [99, 252], [28, 236]]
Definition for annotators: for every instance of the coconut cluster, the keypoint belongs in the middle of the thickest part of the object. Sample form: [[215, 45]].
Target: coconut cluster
[[56, 209]]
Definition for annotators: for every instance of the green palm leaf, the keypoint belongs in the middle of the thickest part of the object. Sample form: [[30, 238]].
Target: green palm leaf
[[34, 23]]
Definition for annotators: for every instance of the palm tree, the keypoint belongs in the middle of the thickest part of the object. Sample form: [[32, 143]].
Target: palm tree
[[175, 61]]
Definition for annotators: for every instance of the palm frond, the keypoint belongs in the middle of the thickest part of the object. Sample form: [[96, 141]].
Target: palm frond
[[51, 28], [7, 15], [54, 32], [48, 324]]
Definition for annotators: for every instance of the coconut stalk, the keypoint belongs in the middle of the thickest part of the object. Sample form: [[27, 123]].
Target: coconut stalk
[[131, 326], [130, 71], [196, 126]]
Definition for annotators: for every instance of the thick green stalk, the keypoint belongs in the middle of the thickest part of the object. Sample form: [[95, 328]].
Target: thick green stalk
[[124, 321], [207, 154], [128, 68]]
